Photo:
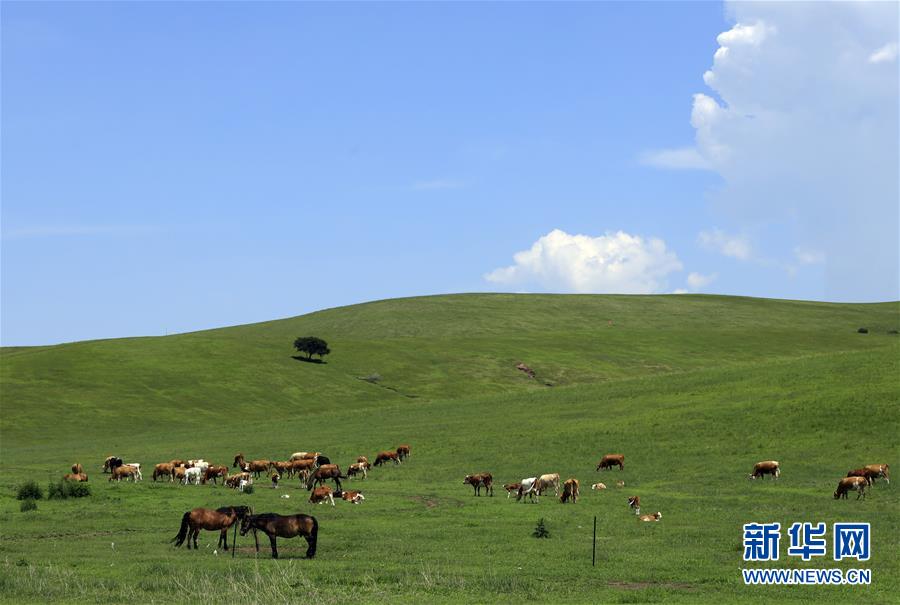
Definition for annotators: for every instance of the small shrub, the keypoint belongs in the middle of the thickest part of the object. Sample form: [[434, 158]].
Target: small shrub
[[248, 489], [29, 491], [28, 504], [540, 530], [67, 489], [863, 331]]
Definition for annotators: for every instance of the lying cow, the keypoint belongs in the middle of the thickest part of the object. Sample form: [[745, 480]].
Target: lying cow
[[322, 494], [654, 517], [766, 467], [571, 489], [480, 480], [634, 502], [510, 488], [353, 497], [610, 460], [77, 469], [527, 487], [848, 484], [75, 477], [598, 486]]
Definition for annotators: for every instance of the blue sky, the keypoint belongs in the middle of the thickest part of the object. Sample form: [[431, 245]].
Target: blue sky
[[171, 167]]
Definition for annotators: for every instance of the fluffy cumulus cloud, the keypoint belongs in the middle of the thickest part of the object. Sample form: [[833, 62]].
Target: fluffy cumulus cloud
[[611, 263], [698, 281], [801, 121]]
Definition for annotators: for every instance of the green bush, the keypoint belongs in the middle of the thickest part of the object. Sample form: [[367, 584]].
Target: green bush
[[29, 491], [540, 530], [248, 489], [68, 489], [28, 504]]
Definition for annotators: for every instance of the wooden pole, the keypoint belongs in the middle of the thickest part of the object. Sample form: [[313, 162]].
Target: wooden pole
[[234, 540], [594, 552]]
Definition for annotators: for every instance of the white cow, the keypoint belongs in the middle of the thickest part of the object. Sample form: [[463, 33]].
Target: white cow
[[193, 475], [528, 488]]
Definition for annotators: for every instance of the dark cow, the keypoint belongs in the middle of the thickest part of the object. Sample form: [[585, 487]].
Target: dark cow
[[480, 480], [610, 460]]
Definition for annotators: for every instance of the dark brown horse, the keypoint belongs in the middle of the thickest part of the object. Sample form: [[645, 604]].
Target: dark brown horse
[[290, 526], [204, 518], [240, 512], [323, 474]]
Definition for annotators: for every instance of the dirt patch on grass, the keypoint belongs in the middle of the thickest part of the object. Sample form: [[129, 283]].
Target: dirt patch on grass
[[431, 502], [643, 585]]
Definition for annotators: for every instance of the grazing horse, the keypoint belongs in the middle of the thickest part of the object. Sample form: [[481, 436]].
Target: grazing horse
[[204, 518], [290, 526], [77, 469], [403, 452], [254, 466], [323, 474]]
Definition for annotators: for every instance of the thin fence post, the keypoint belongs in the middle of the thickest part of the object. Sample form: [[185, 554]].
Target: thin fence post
[[594, 551]]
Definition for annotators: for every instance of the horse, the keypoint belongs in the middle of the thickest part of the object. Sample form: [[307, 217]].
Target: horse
[[240, 512], [290, 526], [323, 474], [204, 518]]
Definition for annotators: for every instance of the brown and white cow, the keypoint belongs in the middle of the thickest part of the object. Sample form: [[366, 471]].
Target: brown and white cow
[[480, 480], [527, 487], [322, 494], [766, 467], [571, 491], [75, 477], [214, 471], [879, 471], [403, 452], [634, 502], [510, 488], [847, 484], [353, 497], [610, 460], [654, 517], [77, 469], [861, 472], [385, 457], [598, 486], [364, 461], [357, 468], [546, 482]]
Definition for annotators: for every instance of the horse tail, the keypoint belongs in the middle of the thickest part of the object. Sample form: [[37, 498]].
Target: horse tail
[[182, 533], [312, 539]]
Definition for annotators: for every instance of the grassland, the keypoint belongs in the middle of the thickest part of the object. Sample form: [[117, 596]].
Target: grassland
[[693, 389]]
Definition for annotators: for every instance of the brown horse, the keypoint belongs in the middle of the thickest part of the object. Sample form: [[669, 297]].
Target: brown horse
[[323, 474], [290, 526], [240, 512], [254, 466], [204, 518]]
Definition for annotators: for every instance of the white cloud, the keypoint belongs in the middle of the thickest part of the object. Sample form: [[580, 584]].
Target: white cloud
[[735, 246], [676, 159], [808, 256], [611, 263], [436, 184], [885, 54], [696, 281], [801, 125], [680, 291]]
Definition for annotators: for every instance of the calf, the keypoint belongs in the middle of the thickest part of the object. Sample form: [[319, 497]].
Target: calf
[[598, 486], [75, 477], [358, 468], [478, 481], [847, 484], [321, 494], [510, 488], [354, 497], [610, 460], [654, 517], [766, 467], [634, 502], [384, 457], [571, 490]]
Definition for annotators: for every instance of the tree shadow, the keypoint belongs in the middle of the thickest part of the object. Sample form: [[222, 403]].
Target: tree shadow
[[307, 360]]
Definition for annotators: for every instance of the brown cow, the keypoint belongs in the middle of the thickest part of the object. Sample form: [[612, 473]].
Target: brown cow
[[323, 474], [303, 467], [363, 460], [176, 462], [77, 469], [256, 467], [510, 488], [480, 480], [354, 497], [610, 460], [879, 471], [654, 517], [403, 452], [861, 472], [214, 472], [383, 457], [322, 494], [766, 467], [123, 472], [75, 477], [857, 484], [634, 502], [283, 468], [358, 468], [164, 469], [178, 473], [571, 490]]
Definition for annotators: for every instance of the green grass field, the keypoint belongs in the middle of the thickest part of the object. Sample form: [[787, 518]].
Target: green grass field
[[692, 389]]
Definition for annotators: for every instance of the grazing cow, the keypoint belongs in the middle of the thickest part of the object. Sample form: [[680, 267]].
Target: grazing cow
[[77, 469], [254, 466], [654, 517], [860, 472], [527, 487], [178, 473], [634, 502], [214, 472], [283, 468], [546, 482], [192, 475], [610, 460], [353, 497], [123, 472], [510, 488], [363, 460], [302, 466], [383, 457], [137, 470], [176, 462], [766, 467], [478, 481], [164, 469], [879, 471], [571, 491], [358, 468], [75, 477], [857, 484], [234, 481], [322, 494], [403, 452], [304, 456], [598, 486], [323, 474]]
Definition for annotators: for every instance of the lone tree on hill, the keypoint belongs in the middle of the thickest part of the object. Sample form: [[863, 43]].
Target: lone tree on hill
[[312, 346]]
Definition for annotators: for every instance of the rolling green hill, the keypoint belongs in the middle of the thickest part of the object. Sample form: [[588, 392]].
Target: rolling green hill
[[692, 389]]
